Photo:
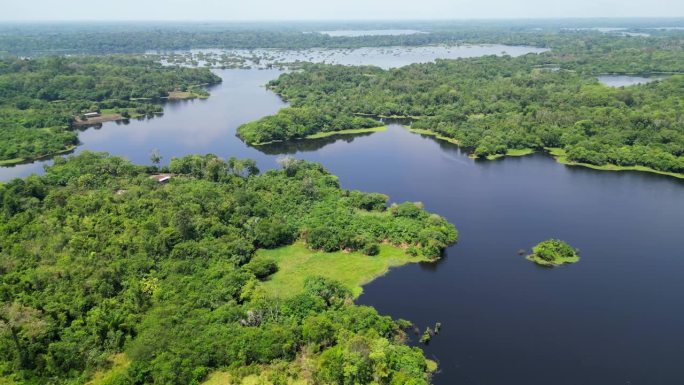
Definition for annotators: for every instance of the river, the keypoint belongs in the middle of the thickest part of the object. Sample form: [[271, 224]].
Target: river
[[612, 318]]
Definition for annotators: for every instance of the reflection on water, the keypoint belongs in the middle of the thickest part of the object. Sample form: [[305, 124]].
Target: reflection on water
[[308, 145]]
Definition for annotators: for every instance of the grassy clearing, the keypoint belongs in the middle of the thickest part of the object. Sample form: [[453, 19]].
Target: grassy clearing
[[561, 157], [10, 162], [224, 378], [15, 161], [218, 378], [296, 262], [512, 152], [347, 132], [556, 262], [119, 364], [180, 95], [431, 133], [118, 111]]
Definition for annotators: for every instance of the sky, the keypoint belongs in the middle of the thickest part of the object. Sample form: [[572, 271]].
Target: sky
[[234, 10]]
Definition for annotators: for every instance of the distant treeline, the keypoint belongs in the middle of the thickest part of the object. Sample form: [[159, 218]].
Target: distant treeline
[[36, 39]]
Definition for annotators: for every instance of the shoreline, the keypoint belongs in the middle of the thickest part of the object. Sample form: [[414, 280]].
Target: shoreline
[[350, 131], [557, 153], [18, 161], [113, 117], [104, 118], [326, 134], [560, 157]]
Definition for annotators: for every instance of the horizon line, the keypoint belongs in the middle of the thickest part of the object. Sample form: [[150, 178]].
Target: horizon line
[[549, 18]]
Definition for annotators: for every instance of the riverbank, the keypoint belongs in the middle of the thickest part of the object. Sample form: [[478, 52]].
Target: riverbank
[[185, 95], [104, 117], [558, 154], [296, 262], [423, 131], [17, 161], [561, 157], [326, 134], [512, 152], [346, 132]]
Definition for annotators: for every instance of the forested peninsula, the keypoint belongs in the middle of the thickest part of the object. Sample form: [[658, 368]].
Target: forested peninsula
[[106, 272], [42, 100], [494, 106]]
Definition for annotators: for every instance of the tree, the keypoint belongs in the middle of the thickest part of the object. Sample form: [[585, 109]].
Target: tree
[[24, 325]]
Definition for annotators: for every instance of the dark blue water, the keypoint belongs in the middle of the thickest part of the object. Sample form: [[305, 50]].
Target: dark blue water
[[616, 317]]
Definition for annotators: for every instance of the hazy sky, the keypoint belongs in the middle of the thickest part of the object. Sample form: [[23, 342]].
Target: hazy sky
[[330, 9]]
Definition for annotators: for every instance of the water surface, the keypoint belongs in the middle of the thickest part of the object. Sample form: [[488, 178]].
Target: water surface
[[371, 32], [384, 57]]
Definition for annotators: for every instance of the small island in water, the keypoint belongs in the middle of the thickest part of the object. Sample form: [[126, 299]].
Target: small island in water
[[553, 252]]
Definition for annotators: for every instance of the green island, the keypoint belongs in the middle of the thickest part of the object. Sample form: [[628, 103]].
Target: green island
[[110, 276], [43, 99], [553, 252], [499, 106]]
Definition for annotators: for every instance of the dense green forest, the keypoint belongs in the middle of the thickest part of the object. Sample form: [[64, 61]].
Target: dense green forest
[[69, 38], [41, 98], [97, 258], [494, 105]]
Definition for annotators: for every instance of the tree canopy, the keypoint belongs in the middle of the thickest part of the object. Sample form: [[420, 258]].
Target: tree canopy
[[97, 258]]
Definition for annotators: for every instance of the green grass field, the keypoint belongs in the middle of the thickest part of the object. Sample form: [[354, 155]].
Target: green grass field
[[431, 133], [223, 378], [512, 152], [119, 364], [347, 132], [559, 261], [296, 262]]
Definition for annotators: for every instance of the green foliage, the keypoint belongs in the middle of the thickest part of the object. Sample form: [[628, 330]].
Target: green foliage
[[261, 268], [494, 106], [332, 292], [271, 233], [553, 252], [297, 123], [97, 258], [40, 98]]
